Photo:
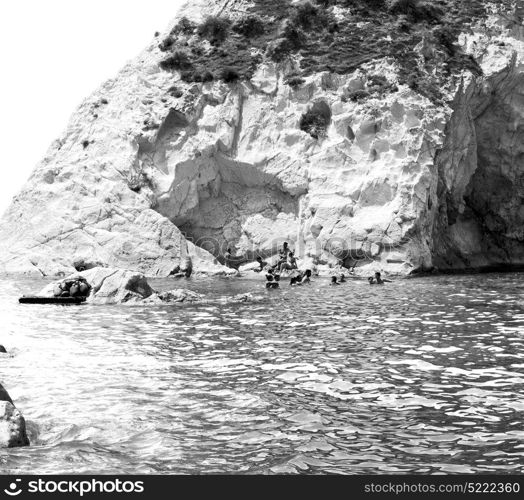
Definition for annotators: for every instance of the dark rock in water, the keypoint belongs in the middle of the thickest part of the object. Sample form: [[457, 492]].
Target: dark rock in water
[[12, 423], [77, 287], [4, 395], [83, 265], [180, 295], [102, 285], [12, 427], [2, 350]]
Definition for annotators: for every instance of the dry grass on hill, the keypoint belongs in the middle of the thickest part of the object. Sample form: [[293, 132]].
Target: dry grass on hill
[[221, 48]]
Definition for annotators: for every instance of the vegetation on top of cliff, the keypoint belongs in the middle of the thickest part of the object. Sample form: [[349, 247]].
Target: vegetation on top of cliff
[[214, 29], [329, 35]]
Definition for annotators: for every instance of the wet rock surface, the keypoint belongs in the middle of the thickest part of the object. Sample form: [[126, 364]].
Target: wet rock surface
[[4, 395], [12, 424], [116, 286], [109, 286]]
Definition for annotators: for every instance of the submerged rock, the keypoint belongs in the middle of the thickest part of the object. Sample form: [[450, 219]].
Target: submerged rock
[[179, 295], [12, 424], [2, 350], [242, 297]]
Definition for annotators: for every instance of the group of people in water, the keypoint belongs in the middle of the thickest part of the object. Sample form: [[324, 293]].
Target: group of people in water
[[296, 278], [287, 262]]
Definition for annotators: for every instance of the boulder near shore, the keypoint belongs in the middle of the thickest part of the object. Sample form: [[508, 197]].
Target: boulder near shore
[[109, 286], [12, 423]]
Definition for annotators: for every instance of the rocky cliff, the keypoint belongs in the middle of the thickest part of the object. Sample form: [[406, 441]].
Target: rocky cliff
[[383, 134]]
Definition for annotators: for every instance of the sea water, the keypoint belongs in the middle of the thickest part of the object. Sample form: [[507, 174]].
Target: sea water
[[421, 375]]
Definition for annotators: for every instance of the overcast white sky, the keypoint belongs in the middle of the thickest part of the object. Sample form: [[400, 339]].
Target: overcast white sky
[[53, 54]]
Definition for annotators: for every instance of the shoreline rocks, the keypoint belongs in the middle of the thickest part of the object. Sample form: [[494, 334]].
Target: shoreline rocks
[[108, 286], [13, 431], [118, 286]]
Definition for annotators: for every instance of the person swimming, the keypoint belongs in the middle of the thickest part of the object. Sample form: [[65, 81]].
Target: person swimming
[[300, 278], [334, 281], [306, 277], [377, 279], [342, 278], [271, 283]]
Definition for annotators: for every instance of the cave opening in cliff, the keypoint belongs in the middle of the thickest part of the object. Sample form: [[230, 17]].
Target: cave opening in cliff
[[222, 203], [485, 223]]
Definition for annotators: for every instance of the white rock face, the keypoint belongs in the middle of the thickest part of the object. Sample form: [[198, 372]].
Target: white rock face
[[397, 184]]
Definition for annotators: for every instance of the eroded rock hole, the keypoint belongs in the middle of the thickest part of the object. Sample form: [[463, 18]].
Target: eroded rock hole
[[226, 204], [215, 200]]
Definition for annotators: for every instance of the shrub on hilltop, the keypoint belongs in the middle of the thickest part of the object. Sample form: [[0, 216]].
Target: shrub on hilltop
[[307, 16], [214, 29], [416, 10], [250, 26], [166, 44], [309, 32], [184, 26], [178, 60]]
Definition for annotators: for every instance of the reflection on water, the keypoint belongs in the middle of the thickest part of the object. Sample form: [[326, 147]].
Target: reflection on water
[[422, 376]]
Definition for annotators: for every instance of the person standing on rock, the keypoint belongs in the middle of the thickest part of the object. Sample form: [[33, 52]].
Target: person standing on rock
[[228, 257], [188, 267]]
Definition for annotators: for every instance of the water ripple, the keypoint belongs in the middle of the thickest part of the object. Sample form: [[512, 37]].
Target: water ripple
[[419, 376]]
